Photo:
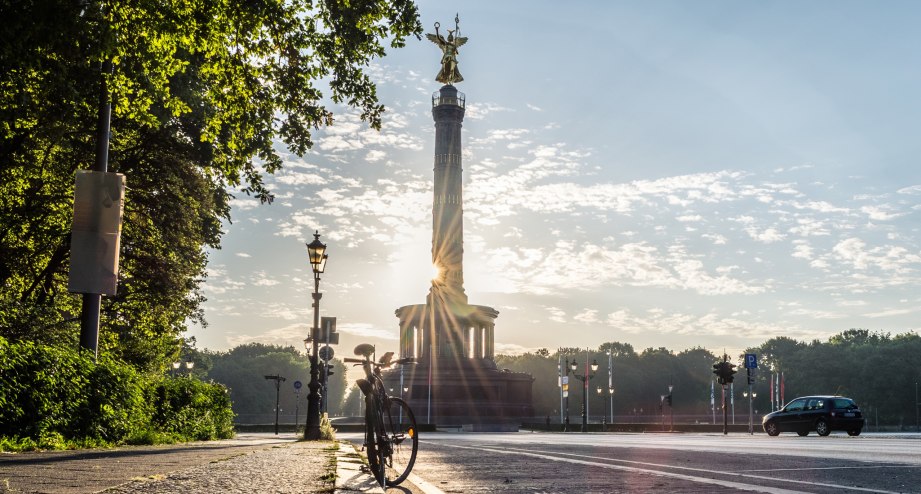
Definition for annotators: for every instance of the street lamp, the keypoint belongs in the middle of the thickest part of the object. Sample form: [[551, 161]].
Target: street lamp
[[278, 380], [176, 367], [671, 408], [585, 378], [604, 418], [316, 251], [751, 396]]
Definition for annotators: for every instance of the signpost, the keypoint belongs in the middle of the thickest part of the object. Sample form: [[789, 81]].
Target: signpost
[[751, 363], [297, 402]]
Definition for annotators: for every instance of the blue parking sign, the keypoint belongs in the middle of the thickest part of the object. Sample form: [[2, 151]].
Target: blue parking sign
[[751, 361]]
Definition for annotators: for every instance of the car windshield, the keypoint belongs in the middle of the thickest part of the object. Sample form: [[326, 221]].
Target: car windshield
[[844, 403]]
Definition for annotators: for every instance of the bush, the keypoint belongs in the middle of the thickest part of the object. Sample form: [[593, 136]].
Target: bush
[[53, 398]]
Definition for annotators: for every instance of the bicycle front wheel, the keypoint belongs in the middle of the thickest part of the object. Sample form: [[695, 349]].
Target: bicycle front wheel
[[402, 436]]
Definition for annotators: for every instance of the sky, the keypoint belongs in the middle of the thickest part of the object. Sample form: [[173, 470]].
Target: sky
[[665, 174]]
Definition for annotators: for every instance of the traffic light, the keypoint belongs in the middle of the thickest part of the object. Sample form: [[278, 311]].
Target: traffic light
[[751, 376], [729, 372], [669, 400], [718, 370], [329, 369]]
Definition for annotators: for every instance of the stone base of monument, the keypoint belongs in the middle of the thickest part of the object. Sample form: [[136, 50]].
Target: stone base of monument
[[468, 393]]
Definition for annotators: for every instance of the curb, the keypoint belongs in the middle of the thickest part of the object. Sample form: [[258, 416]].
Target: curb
[[351, 472]]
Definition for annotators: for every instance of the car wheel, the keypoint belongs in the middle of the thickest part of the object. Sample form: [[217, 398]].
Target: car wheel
[[803, 433], [771, 429], [821, 427], [855, 432]]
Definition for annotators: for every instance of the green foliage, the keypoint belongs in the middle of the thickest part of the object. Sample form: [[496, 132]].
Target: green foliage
[[327, 433], [202, 93], [243, 370], [191, 409], [876, 369], [54, 397]]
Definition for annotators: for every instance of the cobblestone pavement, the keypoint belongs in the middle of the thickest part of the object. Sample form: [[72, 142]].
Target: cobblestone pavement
[[249, 464]]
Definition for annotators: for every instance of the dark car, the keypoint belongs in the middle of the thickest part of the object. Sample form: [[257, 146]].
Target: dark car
[[822, 414]]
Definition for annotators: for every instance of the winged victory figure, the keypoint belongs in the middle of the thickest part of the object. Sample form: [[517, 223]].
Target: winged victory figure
[[448, 73]]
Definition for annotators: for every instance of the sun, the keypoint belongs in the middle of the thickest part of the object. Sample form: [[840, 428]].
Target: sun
[[436, 272]]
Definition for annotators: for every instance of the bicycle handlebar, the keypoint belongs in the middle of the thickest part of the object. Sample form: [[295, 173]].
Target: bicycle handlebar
[[402, 361]]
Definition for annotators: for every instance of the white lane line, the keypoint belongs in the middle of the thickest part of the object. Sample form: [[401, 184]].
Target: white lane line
[[703, 480], [723, 472], [550, 455], [869, 467]]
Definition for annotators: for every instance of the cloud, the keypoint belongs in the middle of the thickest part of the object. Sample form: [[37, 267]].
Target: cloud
[[658, 321], [291, 335], [367, 330], [592, 267]]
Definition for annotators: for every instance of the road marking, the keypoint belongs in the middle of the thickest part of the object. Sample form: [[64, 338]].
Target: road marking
[[829, 468], [555, 456]]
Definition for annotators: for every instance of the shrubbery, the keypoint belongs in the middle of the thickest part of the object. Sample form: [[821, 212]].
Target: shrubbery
[[53, 397]]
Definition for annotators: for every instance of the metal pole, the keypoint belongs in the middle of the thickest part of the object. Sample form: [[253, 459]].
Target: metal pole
[[751, 417], [917, 426], [585, 395], [277, 390], [566, 423], [89, 311], [313, 399], [611, 385], [584, 405], [401, 393], [297, 404], [559, 372], [725, 413]]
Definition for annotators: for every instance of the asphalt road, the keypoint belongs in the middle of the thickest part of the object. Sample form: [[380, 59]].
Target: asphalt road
[[673, 463]]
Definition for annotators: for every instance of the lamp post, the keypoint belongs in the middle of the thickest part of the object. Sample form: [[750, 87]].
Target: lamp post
[[176, 367], [316, 250], [611, 385], [671, 409], [278, 380], [751, 396], [604, 427], [585, 378]]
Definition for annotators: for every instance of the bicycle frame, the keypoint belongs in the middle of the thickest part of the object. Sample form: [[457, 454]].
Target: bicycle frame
[[385, 436]]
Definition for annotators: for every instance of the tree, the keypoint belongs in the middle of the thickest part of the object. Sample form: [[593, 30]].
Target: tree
[[202, 93], [243, 370]]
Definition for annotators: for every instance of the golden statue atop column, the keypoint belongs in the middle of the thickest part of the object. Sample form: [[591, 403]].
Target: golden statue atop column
[[449, 73]]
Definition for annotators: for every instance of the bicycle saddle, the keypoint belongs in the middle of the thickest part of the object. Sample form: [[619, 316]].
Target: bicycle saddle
[[365, 350]]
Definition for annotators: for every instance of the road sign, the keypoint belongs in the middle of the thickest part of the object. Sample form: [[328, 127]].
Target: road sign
[[751, 361], [328, 324], [326, 353], [331, 338], [297, 385]]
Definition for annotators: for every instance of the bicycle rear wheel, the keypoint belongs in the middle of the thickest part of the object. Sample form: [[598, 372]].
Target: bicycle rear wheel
[[402, 438], [375, 442]]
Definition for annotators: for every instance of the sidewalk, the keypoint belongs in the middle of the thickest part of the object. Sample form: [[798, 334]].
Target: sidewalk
[[250, 463]]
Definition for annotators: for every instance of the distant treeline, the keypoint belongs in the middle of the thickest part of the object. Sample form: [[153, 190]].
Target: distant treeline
[[878, 370]]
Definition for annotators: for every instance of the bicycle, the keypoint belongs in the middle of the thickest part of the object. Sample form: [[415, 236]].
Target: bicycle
[[391, 436]]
